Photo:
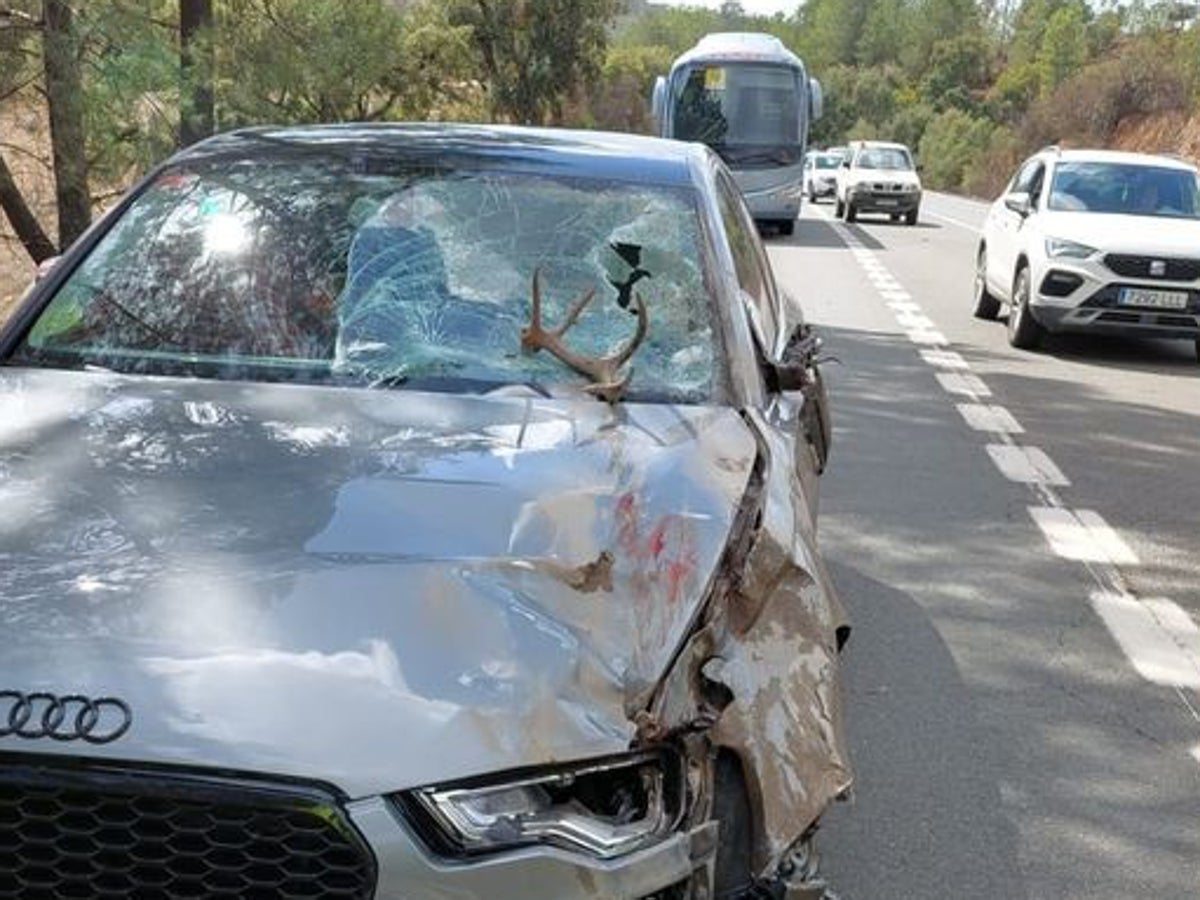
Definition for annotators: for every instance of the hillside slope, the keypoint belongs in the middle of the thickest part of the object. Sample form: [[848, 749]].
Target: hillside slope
[[1174, 133]]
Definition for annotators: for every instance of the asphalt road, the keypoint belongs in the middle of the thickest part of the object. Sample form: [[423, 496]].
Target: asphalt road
[[1017, 537]]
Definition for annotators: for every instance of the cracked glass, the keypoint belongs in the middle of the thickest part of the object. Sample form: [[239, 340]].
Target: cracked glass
[[371, 271]]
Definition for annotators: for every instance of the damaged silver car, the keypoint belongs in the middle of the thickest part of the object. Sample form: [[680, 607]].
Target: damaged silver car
[[416, 512]]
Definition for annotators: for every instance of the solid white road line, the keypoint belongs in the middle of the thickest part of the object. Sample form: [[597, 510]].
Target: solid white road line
[[1026, 465], [1082, 536], [1160, 639], [963, 383], [983, 417]]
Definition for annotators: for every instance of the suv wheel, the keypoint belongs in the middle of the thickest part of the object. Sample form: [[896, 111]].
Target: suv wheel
[[1024, 331], [911, 218], [986, 306]]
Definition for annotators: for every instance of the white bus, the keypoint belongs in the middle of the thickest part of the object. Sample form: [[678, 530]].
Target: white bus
[[751, 99]]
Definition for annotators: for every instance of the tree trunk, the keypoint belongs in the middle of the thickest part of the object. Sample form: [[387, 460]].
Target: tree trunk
[[29, 232], [64, 96], [197, 116]]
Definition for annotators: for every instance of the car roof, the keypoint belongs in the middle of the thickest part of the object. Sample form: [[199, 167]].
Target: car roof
[[883, 145], [627, 158], [1120, 156]]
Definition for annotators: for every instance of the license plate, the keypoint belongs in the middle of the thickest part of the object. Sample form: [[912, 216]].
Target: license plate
[[1153, 299], [886, 202]]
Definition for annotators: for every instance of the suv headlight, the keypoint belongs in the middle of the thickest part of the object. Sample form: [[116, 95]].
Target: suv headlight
[[605, 809], [1057, 248]]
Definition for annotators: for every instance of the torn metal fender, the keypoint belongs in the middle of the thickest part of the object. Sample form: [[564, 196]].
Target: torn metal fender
[[760, 676]]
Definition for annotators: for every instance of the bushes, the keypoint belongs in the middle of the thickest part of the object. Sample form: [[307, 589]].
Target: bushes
[[1087, 108], [952, 142]]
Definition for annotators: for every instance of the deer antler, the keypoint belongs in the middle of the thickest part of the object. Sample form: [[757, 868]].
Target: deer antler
[[609, 373]]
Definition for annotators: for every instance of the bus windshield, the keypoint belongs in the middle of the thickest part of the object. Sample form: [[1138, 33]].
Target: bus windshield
[[747, 112]]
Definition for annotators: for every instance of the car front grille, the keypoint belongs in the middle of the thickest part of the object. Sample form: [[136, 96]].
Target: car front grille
[[886, 187], [79, 833], [1155, 267]]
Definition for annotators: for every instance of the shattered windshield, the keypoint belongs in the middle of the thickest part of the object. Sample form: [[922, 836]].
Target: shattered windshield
[[389, 273]]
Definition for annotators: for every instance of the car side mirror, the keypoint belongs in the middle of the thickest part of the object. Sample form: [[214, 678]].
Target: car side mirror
[[845, 163], [794, 370], [799, 370], [1019, 202]]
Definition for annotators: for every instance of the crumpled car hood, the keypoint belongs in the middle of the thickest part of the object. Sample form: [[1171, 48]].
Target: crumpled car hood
[[374, 589]]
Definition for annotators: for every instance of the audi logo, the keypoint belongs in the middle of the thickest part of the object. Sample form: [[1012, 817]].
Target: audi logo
[[71, 717]]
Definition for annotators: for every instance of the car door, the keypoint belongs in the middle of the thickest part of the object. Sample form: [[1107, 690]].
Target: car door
[[1004, 228], [798, 406]]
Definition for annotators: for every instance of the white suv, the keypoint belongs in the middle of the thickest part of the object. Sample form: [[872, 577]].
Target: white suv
[[879, 177], [1090, 240]]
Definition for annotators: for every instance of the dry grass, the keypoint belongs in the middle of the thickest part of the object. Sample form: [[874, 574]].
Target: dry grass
[[23, 141], [1174, 133]]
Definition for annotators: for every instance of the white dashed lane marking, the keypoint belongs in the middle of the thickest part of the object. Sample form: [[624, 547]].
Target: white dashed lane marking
[[944, 359], [983, 417], [928, 337], [963, 383], [1026, 465], [1082, 536], [1159, 638]]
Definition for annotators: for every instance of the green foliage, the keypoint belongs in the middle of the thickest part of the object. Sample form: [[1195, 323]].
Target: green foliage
[[536, 53], [958, 71], [676, 28], [1064, 48], [952, 141], [620, 100], [375, 62], [131, 75]]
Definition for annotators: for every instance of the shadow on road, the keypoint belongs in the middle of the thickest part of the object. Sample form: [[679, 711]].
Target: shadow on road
[[1127, 353], [928, 804], [820, 234], [1004, 746]]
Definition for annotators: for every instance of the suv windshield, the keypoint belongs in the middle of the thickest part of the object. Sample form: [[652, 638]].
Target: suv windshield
[[890, 158], [828, 161], [368, 271], [1125, 188]]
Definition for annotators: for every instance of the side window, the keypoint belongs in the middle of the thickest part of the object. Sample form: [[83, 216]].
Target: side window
[[1035, 184], [753, 272], [1023, 182]]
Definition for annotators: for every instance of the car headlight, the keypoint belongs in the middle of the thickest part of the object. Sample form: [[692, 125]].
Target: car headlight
[[911, 188], [605, 809], [1060, 249]]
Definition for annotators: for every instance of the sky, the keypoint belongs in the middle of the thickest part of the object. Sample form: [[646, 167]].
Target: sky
[[754, 7]]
